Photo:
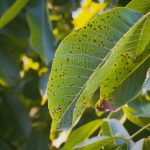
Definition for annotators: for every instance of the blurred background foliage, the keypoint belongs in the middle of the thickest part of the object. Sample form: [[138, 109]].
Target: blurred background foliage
[[30, 31]]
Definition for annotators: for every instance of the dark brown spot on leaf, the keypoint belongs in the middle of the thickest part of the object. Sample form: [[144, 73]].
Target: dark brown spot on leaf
[[105, 106]]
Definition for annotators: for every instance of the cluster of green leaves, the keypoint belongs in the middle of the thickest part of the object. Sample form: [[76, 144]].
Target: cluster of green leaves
[[27, 46], [30, 31], [109, 55]]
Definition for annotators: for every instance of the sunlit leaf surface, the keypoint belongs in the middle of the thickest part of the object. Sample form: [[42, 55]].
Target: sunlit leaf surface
[[75, 71]]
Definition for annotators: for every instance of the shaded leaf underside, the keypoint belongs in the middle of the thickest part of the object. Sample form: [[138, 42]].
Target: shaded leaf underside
[[41, 39]]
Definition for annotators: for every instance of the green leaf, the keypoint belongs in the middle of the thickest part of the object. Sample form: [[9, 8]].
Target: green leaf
[[82, 133], [127, 67], [41, 39], [119, 115], [117, 147], [9, 72], [140, 121], [96, 143], [140, 106], [18, 26], [4, 145], [113, 127], [114, 87], [10, 59], [14, 119], [75, 72], [38, 140], [142, 6], [4, 5], [12, 12], [146, 85], [122, 147], [43, 84], [94, 99], [15, 29], [143, 144], [146, 145]]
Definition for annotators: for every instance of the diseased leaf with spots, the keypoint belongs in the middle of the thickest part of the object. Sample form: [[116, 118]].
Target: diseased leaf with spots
[[128, 65], [117, 93], [75, 72], [142, 6]]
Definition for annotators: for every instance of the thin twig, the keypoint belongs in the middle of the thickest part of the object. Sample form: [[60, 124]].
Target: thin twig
[[136, 133], [109, 115]]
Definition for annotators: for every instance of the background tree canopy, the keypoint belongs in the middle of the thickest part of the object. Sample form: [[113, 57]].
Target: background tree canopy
[[108, 51]]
